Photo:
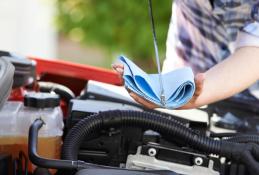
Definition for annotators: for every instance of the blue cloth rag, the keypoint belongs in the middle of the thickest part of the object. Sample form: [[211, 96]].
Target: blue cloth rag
[[179, 85]]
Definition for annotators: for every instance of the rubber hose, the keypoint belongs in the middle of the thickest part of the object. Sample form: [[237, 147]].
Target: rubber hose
[[63, 91], [143, 120], [245, 153], [244, 139]]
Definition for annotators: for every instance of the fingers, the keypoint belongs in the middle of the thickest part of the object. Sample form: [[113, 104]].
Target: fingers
[[119, 65], [118, 68], [143, 101]]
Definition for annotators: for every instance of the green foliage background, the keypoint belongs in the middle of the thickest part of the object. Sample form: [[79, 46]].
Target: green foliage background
[[118, 26]]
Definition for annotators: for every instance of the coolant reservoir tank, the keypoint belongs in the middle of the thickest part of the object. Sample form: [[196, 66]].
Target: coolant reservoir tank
[[16, 118], [46, 107]]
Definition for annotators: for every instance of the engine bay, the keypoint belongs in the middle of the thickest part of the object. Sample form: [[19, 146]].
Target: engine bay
[[65, 119]]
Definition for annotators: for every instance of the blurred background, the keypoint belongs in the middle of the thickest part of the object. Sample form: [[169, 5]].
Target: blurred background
[[92, 32]]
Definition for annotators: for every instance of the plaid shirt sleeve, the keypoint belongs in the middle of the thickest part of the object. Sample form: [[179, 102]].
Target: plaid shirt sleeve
[[249, 34]]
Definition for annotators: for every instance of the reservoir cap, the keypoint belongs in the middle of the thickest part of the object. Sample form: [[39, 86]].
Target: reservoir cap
[[41, 100]]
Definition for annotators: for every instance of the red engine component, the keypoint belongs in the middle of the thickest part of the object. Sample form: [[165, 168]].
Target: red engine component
[[73, 75]]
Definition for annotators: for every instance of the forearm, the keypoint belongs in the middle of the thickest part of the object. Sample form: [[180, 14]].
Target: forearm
[[231, 76]]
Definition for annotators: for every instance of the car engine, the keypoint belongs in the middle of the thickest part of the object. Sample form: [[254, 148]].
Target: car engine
[[76, 123]]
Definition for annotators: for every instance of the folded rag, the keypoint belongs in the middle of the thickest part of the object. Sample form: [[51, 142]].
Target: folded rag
[[179, 85]]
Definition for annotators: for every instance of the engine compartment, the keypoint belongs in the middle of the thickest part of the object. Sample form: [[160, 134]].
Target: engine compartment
[[103, 131]]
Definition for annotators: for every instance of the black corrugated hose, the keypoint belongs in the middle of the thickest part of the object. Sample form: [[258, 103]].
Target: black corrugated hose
[[244, 139], [238, 152]]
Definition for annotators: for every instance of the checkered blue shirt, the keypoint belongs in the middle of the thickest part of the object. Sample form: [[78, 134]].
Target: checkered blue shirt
[[202, 33]]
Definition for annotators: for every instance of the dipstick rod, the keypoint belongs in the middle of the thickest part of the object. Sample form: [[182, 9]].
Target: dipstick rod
[[162, 95]]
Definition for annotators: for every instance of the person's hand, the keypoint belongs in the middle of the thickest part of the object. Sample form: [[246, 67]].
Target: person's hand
[[199, 79], [119, 68]]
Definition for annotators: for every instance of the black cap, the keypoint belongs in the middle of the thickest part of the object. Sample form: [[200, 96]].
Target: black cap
[[41, 100]]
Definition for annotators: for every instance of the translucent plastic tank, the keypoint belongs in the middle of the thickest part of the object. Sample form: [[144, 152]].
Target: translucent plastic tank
[[16, 118]]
